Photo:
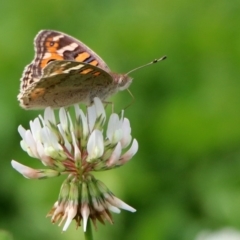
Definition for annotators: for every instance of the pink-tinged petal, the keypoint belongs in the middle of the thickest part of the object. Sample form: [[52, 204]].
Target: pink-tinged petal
[[130, 153], [71, 211], [56, 211], [27, 172], [46, 160], [115, 155], [85, 212], [34, 173]]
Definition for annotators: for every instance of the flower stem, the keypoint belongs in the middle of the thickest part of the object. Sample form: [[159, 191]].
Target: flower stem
[[88, 234]]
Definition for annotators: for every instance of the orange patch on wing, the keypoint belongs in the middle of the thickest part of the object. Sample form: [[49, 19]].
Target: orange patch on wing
[[94, 63], [96, 73], [53, 57], [81, 57], [37, 93], [59, 70], [51, 47], [86, 71]]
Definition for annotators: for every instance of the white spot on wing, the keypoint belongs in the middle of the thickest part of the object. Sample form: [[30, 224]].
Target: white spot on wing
[[67, 70], [56, 38], [70, 47], [47, 55], [73, 68]]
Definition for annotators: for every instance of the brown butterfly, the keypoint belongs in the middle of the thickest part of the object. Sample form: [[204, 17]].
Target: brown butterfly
[[65, 71]]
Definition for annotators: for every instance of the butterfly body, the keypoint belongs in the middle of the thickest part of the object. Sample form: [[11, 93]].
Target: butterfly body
[[64, 72]]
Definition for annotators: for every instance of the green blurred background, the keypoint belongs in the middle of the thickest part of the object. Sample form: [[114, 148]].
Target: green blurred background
[[186, 175]]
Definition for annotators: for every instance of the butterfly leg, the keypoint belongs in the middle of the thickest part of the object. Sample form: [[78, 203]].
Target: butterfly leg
[[109, 103], [133, 99]]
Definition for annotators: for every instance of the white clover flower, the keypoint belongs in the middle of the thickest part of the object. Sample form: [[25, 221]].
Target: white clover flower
[[77, 148]]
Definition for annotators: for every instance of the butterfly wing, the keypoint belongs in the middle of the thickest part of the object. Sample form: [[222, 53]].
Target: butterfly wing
[[61, 60], [52, 45], [64, 83]]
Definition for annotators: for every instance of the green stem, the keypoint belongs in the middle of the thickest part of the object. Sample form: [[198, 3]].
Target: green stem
[[88, 234]]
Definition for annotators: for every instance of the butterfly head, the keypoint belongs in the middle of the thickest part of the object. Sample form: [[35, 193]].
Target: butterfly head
[[123, 81]]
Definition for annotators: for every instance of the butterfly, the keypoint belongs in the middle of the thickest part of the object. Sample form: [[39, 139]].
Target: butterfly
[[65, 71]]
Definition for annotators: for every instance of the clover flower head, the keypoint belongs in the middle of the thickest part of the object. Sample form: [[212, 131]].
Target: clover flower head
[[77, 147]]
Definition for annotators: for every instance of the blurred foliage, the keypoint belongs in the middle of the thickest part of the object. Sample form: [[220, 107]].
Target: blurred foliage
[[186, 117]]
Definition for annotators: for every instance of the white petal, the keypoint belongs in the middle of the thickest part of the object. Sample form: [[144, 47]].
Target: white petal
[[70, 121], [40, 149], [95, 145], [30, 142], [99, 108], [113, 209], [85, 214], [23, 145], [22, 131], [80, 114], [120, 204], [35, 127], [67, 145], [115, 155], [77, 152], [49, 138], [71, 213], [49, 116], [26, 171], [114, 130], [46, 160], [112, 123], [91, 117], [51, 146], [63, 119], [130, 153], [126, 139]]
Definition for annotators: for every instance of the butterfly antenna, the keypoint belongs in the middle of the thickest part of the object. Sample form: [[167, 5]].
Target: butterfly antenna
[[152, 62]]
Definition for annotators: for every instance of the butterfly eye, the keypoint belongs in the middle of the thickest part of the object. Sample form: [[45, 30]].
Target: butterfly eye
[[52, 43]]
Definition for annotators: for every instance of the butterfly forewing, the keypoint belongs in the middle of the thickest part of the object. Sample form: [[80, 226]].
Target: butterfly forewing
[[52, 45]]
